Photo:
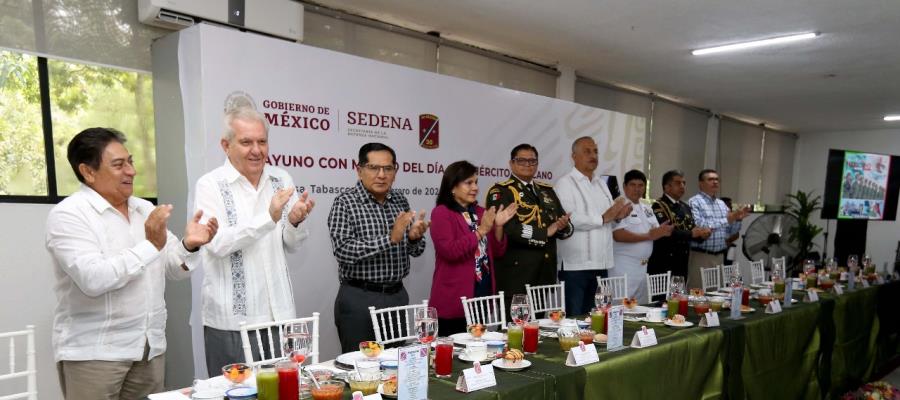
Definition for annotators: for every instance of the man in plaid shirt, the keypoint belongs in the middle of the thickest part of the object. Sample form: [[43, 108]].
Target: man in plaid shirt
[[373, 233], [711, 212]]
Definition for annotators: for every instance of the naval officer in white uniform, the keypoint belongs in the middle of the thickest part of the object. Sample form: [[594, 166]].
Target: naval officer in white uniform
[[634, 235]]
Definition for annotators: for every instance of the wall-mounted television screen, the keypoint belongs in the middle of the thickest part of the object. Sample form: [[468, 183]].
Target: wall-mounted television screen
[[861, 185]]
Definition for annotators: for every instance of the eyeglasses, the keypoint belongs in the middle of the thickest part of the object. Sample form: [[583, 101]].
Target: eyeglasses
[[387, 169], [526, 161]]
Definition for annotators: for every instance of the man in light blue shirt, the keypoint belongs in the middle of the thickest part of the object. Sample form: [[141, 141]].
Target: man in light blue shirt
[[711, 212]]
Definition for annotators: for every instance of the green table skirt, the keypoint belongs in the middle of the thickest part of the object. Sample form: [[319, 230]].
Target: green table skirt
[[809, 351]]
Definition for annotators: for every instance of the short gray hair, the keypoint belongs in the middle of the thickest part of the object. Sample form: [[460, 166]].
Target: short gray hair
[[575, 143], [247, 114]]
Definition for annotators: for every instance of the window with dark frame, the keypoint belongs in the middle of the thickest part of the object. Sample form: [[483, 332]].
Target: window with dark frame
[[45, 102]]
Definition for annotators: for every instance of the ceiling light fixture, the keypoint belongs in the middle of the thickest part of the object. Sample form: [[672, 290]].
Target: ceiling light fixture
[[895, 117], [755, 43]]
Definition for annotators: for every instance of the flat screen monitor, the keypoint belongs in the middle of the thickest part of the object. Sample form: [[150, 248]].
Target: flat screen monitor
[[861, 185]]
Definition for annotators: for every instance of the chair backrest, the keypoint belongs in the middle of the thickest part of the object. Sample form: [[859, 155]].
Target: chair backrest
[[618, 285], [658, 284], [395, 324], [487, 310], [727, 271], [757, 272], [783, 261], [30, 372], [272, 330], [546, 298], [711, 278]]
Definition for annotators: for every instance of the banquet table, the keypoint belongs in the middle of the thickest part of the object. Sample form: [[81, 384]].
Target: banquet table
[[809, 351]]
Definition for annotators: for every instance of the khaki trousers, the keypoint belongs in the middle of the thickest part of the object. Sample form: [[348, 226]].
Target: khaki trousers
[[701, 260], [112, 380]]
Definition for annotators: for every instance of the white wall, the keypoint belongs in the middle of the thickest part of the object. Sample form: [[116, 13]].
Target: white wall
[[809, 174], [27, 287]]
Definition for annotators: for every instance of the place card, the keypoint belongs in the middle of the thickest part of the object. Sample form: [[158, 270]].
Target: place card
[[709, 320], [412, 372], [582, 355], [811, 296], [736, 303], [476, 378], [788, 296], [864, 282], [879, 279], [615, 328], [359, 396], [774, 307], [838, 289], [843, 276], [643, 338]]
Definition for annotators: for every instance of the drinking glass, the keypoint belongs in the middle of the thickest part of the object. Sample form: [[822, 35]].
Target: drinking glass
[[297, 341], [678, 283], [520, 309], [602, 297], [426, 321], [852, 262], [443, 359]]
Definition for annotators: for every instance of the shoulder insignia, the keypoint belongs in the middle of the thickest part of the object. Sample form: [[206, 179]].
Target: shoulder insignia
[[544, 184], [507, 182]]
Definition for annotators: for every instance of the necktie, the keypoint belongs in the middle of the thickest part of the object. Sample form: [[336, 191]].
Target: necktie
[[530, 189]]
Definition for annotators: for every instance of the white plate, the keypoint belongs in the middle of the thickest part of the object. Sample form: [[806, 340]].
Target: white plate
[[387, 396], [461, 339], [682, 325], [350, 358], [464, 357], [547, 323], [498, 363], [638, 310]]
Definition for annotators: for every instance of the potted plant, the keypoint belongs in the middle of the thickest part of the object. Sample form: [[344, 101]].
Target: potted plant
[[801, 206]]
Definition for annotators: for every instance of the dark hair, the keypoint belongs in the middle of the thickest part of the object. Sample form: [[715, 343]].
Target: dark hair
[[669, 176], [453, 175], [374, 146], [523, 146], [632, 175], [87, 147], [706, 171]]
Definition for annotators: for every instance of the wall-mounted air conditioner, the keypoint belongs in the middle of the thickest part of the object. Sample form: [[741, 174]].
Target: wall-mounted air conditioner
[[282, 18]]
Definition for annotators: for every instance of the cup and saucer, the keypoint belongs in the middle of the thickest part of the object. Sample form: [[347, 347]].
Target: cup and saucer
[[475, 351]]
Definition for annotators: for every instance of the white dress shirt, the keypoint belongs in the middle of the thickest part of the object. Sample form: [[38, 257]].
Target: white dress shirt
[[631, 258], [591, 246], [245, 268], [110, 280]]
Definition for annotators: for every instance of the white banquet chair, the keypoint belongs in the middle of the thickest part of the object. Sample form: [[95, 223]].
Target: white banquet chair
[[395, 324], [711, 278], [30, 371], [727, 272], [618, 286], [486, 310], [276, 351], [545, 298], [658, 284], [757, 272]]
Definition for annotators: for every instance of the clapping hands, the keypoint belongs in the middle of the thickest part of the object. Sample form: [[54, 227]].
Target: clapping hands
[[417, 226]]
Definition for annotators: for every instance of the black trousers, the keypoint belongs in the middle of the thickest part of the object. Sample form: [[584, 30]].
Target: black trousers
[[351, 313]]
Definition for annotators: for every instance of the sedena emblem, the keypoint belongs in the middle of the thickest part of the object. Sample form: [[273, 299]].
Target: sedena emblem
[[239, 99], [429, 130]]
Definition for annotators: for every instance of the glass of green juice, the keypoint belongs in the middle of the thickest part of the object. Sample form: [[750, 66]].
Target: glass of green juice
[[515, 334]]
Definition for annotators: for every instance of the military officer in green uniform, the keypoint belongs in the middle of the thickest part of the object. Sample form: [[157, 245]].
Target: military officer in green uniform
[[671, 253], [540, 220]]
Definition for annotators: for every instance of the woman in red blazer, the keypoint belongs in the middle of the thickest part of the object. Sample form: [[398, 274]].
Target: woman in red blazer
[[466, 240]]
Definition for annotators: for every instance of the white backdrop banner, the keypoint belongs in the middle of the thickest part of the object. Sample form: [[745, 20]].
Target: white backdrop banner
[[323, 105]]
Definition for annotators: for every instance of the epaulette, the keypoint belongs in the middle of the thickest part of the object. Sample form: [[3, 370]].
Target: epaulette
[[544, 184], [507, 182]]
